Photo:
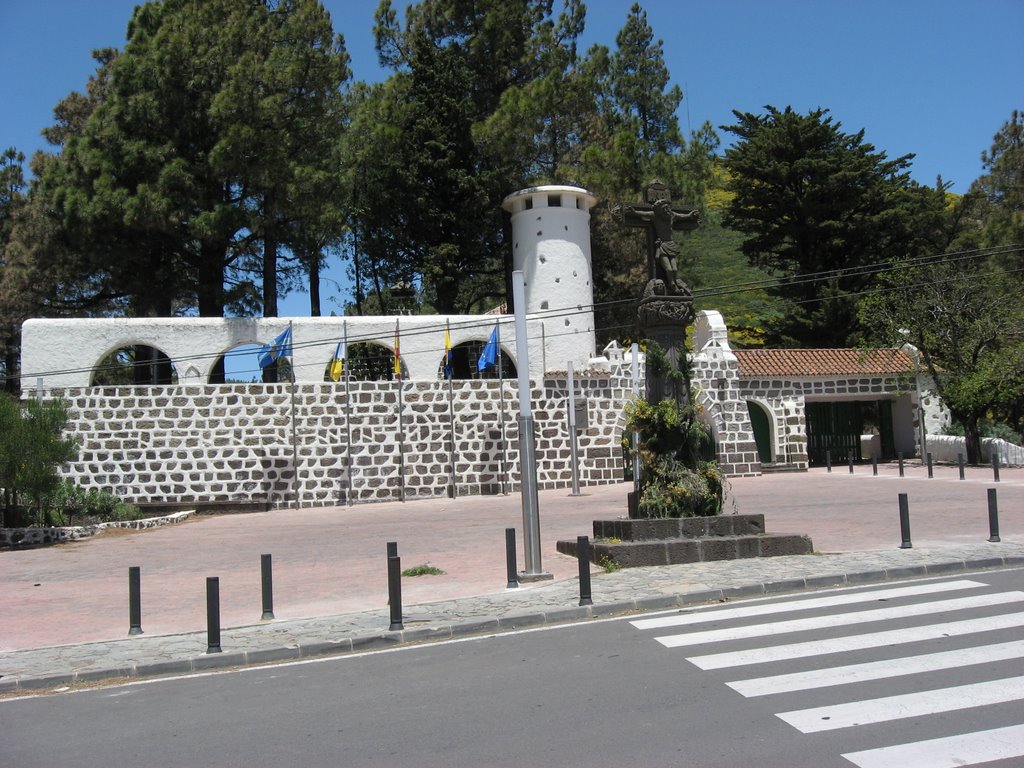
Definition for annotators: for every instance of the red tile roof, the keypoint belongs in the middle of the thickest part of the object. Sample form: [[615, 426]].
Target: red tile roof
[[823, 362]]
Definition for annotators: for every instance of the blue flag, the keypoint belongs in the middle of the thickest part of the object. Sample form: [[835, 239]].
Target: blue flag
[[490, 354], [281, 347]]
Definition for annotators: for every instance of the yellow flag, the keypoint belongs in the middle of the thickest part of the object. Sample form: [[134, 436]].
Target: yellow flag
[[338, 362]]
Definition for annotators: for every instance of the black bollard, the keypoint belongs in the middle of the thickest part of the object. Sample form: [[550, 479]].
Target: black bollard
[[828, 460], [583, 557], [874, 466], [995, 465], [510, 558], [213, 614], [960, 464], [993, 516], [931, 474], [392, 549], [395, 592], [905, 522], [267, 578], [134, 600], [900, 457], [849, 460]]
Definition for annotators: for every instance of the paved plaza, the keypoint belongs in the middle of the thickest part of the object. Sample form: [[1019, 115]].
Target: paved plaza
[[65, 608]]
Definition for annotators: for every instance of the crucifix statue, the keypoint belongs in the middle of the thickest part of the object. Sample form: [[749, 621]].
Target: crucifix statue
[[666, 308], [659, 219]]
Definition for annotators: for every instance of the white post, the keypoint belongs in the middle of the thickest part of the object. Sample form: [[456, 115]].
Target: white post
[[348, 414], [501, 395], [295, 440], [636, 435], [527, 447]]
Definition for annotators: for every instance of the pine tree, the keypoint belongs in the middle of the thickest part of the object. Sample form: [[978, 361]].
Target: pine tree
[[817, 205]]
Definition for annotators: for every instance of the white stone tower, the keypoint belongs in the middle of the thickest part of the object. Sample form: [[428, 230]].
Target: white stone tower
[[551, 246]]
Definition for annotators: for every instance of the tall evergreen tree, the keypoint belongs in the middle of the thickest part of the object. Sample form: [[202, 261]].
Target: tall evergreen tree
[[435, 213], [999, 192], [12, 198], [818, 206], [281, 111]]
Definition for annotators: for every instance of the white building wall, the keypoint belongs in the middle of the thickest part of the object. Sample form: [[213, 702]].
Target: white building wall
[[64, 353]]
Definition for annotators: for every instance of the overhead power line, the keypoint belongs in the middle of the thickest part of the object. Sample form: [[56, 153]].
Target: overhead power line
[[485, 322]]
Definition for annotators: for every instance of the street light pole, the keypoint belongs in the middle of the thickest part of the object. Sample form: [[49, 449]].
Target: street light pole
[[527, 447]]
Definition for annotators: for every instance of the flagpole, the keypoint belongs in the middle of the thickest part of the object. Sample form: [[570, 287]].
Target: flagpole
[[452, 493], [401, 427], [501, 411], [295, 443], [348, 412]]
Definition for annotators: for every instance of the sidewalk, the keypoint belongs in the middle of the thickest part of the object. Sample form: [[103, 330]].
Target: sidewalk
[[66, 615]]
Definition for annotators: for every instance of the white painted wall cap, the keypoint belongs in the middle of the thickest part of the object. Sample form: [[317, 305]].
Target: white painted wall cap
[[549, 189]]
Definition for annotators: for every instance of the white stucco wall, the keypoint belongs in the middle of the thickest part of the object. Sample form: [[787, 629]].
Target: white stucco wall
[[65, 352]]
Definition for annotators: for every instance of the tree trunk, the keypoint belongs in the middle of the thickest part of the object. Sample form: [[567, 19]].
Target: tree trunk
[[972, 438], [210, 288], [358, 275], [12, 384], [270, 286], [314, 262], [270, 273]]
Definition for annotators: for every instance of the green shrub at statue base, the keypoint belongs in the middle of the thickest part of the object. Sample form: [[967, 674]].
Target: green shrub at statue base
[[678, 476]]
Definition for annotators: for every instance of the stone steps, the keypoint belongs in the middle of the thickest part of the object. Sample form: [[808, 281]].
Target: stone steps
[[673, 541]]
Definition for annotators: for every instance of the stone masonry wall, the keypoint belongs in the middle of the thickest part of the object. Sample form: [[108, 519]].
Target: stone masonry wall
[[785, 400], [234, 443]]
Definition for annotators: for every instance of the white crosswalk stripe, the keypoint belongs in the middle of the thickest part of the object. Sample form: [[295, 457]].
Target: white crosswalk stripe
[[840, 619], [905, 705], [858, 642], [767, 609], [846, 711], [947, 752], [878, 670]]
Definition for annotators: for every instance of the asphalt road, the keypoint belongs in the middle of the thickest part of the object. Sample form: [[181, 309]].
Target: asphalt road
[[826, 679]]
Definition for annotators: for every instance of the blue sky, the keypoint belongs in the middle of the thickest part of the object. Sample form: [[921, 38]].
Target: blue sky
[[934, 77]]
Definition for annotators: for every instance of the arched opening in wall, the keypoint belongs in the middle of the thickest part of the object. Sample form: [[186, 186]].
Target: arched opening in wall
[[241, 365], [466, 363], [367, 361], [764, 436], [132, 365]]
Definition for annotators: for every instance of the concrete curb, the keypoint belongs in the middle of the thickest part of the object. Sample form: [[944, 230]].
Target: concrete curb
[[492, 625]]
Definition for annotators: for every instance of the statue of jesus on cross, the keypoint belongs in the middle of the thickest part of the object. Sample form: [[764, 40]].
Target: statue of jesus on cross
[[659, 220]]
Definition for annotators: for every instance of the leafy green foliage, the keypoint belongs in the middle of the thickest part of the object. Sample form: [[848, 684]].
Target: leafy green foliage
[[423, 570], [963, 308], [69, 504], [722, 279], [679, 476], [1001, 189], [965, 317], [32, 447]]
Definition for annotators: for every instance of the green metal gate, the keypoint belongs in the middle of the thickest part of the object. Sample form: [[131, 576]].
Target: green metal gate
[[837, 427], [833, 427]]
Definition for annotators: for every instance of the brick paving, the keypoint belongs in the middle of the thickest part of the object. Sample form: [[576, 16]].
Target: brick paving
[[65, 611]]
